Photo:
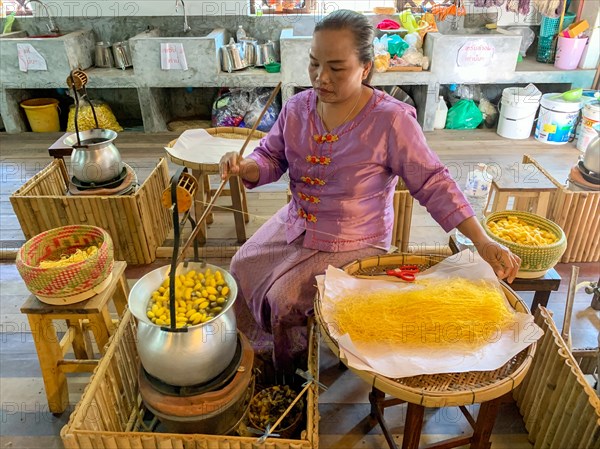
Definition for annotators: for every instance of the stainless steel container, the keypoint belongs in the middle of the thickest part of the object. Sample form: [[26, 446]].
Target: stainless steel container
[[122, 55], [233, 57], [265, 53], [183, 358], [250, 50], [98, 160], [103, 55]]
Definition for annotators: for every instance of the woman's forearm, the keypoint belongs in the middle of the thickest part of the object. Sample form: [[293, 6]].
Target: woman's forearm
[[473, 230], [249, 170]]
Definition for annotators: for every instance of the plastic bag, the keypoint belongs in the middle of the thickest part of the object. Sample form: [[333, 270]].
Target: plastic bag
[[241, 108], [528, 36], [396, 45], [464, 115], [382, 57], [489, 112], [85, 118]]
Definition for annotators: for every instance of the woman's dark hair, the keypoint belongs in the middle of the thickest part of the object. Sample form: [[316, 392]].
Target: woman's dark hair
[[361, 29]]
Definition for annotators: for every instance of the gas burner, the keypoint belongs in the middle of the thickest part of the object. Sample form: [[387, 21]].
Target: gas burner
[[217, 409], [111, 183], [588, 175], [214, 384]]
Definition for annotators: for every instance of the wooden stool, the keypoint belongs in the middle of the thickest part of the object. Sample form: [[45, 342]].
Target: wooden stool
[[529, 188], [91, 314]]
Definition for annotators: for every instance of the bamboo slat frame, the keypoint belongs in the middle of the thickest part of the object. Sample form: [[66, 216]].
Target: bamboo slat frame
[[107, 410], [137, 223], [559, 407], [439, 390], [578, 214]]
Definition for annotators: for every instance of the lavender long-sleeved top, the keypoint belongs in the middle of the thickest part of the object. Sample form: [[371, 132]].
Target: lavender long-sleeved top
[[343, 185]]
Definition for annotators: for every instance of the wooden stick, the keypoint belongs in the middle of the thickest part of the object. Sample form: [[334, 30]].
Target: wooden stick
[[566, 329], [290, 407], [216, 195]]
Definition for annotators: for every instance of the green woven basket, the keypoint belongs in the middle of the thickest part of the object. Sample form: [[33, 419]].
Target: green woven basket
[[535, 260], [71, 283]]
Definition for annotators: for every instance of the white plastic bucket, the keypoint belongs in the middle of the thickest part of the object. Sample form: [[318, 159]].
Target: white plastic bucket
[[556, 120], [517, 112], [590, 116]]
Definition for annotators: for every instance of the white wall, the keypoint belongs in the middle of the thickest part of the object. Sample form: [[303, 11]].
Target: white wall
[[128, 8]]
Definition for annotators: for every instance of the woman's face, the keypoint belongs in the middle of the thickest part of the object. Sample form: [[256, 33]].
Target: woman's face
[[335, 72]]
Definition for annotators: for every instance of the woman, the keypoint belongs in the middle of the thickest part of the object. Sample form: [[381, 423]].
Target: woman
[[344, 144]]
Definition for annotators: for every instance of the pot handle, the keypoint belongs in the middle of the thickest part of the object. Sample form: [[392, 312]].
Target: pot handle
[[177, 237]]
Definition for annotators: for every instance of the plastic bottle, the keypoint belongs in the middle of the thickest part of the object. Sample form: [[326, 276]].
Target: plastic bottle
[[453, 96], [440, 114], [240, 33], [477, 189]]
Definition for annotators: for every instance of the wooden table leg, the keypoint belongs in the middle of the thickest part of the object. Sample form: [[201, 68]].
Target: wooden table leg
[[413, 426], [102, 326], [244, 203], [236, 200], [485, 424], [79, 347], [540, 298], [121, 295], [377, 398], [49, 353]]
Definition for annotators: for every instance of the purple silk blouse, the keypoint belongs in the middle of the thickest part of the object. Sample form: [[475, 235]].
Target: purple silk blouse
[[343, 182]]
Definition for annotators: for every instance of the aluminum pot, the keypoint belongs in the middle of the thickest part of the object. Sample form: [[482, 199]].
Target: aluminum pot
[[591, 158], [103, 55], [184, 358], [233, 57], [265, 54], [98, 160], [122, 55], [250, 50]]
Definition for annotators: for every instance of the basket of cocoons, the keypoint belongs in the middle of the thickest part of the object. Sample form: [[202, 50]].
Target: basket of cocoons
[[539, 242], [68, 264]]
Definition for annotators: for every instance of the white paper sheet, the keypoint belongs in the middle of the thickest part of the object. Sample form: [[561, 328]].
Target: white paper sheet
[[172, 56], [30, 59], [198, 146], [396, 361]]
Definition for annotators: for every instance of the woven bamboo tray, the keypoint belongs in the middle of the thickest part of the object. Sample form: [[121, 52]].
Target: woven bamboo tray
[[559, 407], [107, 415], [578, 214], [137, 223], [226, 132], [439, 390]]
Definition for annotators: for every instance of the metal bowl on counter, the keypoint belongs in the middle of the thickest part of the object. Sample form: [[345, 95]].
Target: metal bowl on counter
[[95, 158], [184, 358]]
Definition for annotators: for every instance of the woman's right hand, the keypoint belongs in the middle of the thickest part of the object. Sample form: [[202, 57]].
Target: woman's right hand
[[229, 164]]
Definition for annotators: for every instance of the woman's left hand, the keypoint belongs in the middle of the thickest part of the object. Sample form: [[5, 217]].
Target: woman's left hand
[[501, 259]]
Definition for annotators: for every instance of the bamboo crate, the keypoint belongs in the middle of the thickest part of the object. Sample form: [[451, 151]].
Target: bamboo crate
[[559, 407], [138, 224], [578, 214], [106, 415]]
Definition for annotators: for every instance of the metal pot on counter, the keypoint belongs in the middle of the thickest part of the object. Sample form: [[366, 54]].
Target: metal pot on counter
[[265, 53], [250, 47], [184, 358], [233, 56], [95, 158]]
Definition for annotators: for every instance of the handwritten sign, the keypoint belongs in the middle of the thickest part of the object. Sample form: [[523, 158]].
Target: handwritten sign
[[477, 53], [30, 59], [172, 56]]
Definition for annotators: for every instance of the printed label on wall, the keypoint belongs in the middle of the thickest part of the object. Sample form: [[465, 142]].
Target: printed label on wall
[[172, 56], [30, 59], [477, 53]]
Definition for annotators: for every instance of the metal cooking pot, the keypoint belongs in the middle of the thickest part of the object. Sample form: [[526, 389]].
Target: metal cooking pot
[[265, 54], [97, 159], [591, 158], [103, 55], [250, 50], [184, 358], [233, 57], [122, 55]]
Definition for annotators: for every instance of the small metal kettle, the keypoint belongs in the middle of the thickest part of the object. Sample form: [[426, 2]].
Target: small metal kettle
[[233, 56]]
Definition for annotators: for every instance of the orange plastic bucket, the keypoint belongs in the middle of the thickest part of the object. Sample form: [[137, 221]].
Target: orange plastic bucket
[[42, 114]]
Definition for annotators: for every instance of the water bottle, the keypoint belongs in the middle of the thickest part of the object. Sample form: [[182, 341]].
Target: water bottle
[[240, 33], [441, 114], [477, 189]]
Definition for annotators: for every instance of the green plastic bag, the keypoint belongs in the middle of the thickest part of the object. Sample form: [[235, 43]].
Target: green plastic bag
[[464, 115], [396, 45]]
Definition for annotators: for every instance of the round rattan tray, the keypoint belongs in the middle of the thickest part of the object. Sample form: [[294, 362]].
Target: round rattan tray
[[445, 389], [226, 132]]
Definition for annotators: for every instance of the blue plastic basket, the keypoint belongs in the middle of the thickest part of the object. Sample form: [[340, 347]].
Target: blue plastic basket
[[549, 26], [545, 51]]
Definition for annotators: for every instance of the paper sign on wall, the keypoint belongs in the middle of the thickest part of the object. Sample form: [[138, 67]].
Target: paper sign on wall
[[30, 59], [172, 56], [477, 53]]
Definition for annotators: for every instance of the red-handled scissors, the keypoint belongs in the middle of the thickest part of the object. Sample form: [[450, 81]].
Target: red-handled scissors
[[405, 272]]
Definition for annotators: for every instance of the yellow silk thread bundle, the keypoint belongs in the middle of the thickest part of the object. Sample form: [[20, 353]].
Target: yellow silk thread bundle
[[449, 313]]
